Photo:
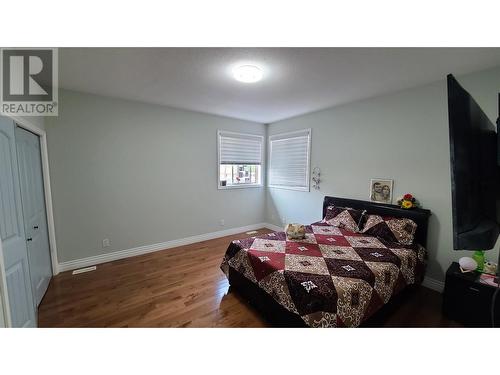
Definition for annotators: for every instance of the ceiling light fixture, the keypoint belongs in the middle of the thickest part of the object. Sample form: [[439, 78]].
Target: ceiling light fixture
[[247, 73]]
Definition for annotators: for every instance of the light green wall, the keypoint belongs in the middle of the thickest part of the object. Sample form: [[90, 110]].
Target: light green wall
[[402, 136], [139, 174]]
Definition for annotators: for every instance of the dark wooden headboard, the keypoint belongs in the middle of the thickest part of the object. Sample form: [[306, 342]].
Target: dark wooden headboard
[[418, 215]]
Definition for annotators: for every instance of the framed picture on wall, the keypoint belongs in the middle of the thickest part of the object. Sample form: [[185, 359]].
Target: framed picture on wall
[[381, 190]]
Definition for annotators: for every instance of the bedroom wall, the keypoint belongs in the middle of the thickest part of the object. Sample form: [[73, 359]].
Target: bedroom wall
[[139, 174], [402, 136]]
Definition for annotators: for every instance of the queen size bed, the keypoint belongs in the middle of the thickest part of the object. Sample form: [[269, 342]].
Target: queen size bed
[[348, 266]]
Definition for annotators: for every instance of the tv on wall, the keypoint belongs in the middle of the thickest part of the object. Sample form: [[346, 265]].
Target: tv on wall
[[474, 172]]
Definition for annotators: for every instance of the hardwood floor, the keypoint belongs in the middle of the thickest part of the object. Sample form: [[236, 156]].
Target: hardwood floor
[[182, 287]]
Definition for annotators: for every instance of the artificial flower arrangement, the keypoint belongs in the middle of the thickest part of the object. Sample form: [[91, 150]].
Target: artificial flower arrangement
[[408, 201]]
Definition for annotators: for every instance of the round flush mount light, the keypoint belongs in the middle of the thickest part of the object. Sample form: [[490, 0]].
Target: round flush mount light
[[247, 73]]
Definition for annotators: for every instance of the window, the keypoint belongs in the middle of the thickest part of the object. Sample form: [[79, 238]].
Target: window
[[240, 160], [289, 155]]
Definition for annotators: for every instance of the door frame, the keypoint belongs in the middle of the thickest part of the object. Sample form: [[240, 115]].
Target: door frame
[[27, 125], [3, 291]]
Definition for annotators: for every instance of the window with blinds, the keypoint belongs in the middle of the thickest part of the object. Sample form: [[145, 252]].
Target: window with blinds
[[289, 160], [240, 159]]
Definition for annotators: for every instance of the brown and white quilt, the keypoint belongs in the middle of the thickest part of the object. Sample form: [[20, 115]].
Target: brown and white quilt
[[333, 277]]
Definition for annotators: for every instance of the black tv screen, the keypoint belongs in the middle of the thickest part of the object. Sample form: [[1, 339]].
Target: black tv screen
[[474, 172]]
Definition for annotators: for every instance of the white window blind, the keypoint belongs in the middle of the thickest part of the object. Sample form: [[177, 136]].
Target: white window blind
[[235, 148], [289, 160]]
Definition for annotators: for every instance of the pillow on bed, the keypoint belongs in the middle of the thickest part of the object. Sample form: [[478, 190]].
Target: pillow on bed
[[344, 217], [400, 230]]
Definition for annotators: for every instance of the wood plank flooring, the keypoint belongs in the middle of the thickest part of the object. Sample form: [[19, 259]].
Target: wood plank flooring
[[181, 287]]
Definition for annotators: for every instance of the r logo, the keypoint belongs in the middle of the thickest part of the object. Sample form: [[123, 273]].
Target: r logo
[[27, 75], [29, 81]]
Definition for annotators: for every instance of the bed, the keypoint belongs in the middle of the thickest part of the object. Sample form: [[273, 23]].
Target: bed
[[331, 278]]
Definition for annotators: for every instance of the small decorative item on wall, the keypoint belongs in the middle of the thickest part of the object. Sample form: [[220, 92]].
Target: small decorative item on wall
[[316, 177], [381, 190], [408, 201]]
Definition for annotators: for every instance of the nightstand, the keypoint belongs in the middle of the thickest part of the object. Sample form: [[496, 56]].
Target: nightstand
[[468, 301]]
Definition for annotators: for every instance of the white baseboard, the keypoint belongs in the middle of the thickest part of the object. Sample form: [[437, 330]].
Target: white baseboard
[[433, 284], [274, 227], [121, 254]]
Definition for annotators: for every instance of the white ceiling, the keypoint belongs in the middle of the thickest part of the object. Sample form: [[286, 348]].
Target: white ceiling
[[296, 80]]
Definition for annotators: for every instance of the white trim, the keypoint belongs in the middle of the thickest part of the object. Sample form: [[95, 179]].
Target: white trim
[[433, 284], [3, 323], [280, 136], [26, 124], [121, 254], [276, 228], [242, 186], [3, 291], [262, 161]]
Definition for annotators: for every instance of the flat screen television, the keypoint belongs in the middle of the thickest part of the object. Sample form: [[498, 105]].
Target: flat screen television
[[474, 172]]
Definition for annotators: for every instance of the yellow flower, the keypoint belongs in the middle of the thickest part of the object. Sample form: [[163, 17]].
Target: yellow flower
[[406, 204]]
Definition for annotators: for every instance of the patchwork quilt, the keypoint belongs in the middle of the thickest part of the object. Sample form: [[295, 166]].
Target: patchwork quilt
[[333, 277]]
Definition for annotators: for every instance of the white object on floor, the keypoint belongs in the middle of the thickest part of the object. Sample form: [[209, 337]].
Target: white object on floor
[[252, 232], [83, 270], [467, 264]]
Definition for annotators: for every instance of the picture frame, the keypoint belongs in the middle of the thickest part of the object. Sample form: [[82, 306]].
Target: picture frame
[[381, 190]]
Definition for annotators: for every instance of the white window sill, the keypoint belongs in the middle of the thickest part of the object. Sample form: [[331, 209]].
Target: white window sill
[[242, 186]]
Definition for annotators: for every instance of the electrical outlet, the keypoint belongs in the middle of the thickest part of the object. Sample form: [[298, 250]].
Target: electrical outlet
[[222, 222], [105, 242]]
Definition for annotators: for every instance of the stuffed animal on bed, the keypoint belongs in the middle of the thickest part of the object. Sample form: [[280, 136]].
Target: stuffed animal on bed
[[295, 231]]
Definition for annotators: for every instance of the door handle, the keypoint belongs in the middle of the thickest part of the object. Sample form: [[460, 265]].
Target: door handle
[[35, 227], [29, 239]]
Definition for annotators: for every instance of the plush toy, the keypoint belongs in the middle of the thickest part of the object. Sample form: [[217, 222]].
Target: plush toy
[[490, 268], [408, 201], [295, 231]]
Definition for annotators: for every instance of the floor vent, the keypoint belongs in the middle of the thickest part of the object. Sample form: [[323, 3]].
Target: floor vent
[[83, 270], [252, 232]]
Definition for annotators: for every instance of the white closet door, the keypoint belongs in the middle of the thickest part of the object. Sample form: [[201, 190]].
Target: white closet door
[[12, 232], [35, 219]]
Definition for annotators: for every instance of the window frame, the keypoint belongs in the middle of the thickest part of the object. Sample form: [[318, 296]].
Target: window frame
[[288, 135], [262, 161]]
